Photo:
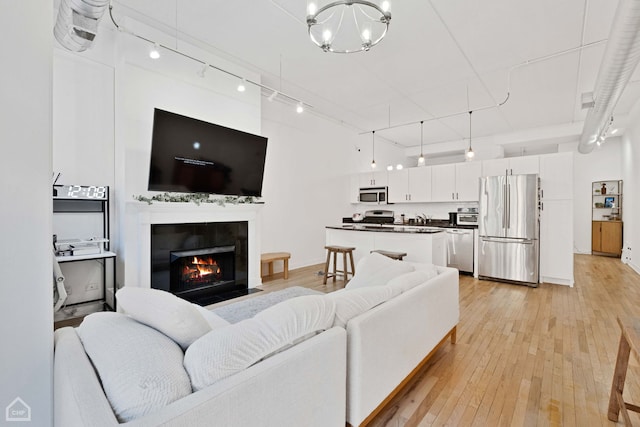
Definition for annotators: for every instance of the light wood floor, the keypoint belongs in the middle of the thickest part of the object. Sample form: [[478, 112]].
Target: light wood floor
[[524, 356]]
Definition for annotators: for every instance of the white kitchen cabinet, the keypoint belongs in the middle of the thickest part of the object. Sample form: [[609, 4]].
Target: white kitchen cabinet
[[455, 182], [495, 167], [410, 185], [467, 181], [373, 179], [556, 242], [556, 176], [443, 183], [511, 166]]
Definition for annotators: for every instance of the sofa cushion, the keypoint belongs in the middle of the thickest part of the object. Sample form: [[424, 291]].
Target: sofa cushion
[[176, 318], [352, 302], [212, 318], [225, 351], [141, 370], [376, 270], [408, 281]]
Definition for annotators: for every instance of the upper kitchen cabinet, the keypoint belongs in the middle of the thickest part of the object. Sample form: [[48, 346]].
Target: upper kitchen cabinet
[[456, 182], [410, 185], [467, 181], [373, 179], [556, 176], [511, 166]]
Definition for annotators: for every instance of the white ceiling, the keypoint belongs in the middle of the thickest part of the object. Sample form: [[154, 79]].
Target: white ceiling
[[435, 51]]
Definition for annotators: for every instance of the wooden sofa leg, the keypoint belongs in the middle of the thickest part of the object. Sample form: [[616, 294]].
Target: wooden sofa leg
[[453, 334]]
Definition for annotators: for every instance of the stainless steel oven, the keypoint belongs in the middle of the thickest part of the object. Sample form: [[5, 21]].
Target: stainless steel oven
[[374, 195], [467, 216]]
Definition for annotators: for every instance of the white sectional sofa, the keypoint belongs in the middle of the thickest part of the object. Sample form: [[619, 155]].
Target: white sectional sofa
[[345, 354]]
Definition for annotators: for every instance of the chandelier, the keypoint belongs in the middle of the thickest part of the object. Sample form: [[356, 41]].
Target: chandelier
[[347, 26]]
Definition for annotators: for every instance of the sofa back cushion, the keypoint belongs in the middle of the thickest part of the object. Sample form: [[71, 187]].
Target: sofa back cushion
[[230, 349], [141, 370], [408, 281], [353, 302], [176, 318], [376, 270]]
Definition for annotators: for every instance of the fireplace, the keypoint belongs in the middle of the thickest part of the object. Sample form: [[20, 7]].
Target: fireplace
[[192, 270], [200, 262]]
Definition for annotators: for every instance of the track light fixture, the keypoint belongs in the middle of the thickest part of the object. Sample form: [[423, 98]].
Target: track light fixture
[[241, 86], [154, 53], [470, 154], [421, 158], [373, 149]]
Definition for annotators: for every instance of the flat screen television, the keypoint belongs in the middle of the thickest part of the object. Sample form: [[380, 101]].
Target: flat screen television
[[193, 156]]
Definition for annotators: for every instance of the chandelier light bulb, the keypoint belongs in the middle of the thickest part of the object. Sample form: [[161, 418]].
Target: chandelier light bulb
[[398, 166], [326, 35], [390, 167], [366, 35], [385, 6], [312, 8], [299, 108], [154, 53]]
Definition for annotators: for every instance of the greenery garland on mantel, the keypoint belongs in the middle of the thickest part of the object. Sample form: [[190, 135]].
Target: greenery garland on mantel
[[197, 198]]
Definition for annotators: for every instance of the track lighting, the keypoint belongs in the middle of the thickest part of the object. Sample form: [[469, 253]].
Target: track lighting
[[203, 70], [299, 108], [421, 158], [470, 154], [273, 95], [241, 86], [373, 149], [154, 53]]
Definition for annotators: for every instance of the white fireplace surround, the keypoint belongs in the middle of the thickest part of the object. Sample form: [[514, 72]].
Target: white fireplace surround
[[139, 216]]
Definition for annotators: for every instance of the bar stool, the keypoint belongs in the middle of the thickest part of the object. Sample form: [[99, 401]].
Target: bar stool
[[335, 250], [392, 255]]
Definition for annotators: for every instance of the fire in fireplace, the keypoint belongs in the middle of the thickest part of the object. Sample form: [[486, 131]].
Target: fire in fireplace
[[201, 262], [200, 268]]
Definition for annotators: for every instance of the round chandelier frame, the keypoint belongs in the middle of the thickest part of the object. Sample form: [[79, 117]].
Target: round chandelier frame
[[373, 25]]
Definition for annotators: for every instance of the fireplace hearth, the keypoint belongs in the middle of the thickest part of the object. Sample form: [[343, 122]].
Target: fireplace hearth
[[201, 262]]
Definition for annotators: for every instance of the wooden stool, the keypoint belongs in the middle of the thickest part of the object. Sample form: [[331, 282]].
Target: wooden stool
[[392, 255], [335, 250], [270, 257], [629, 340]]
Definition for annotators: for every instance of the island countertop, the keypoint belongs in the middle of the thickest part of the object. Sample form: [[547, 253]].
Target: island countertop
[[387, 228]]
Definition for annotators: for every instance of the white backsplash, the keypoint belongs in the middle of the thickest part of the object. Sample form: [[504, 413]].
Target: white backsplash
[[410, 210]]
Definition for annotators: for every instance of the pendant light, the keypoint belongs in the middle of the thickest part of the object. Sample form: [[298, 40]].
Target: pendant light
[[373, 149], [470, 154], [421, 158]]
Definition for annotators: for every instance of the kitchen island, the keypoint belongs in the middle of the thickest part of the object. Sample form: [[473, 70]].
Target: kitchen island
[[422, 244]]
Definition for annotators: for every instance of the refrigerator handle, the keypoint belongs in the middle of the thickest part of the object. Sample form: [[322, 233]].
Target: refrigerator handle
[[508, 206], [504, 204]]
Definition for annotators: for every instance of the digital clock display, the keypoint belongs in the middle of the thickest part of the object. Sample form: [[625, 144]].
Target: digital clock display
[[82, 192]]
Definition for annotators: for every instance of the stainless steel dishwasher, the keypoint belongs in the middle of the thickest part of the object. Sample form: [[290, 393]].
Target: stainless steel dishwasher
[[460, 249]]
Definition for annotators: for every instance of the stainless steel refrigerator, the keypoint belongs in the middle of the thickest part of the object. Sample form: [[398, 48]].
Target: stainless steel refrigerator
[[509, 229]]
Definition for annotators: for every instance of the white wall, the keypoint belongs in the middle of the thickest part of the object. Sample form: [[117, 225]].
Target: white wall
[[308, 167], [603, 163], [26, 314], [631, 176]]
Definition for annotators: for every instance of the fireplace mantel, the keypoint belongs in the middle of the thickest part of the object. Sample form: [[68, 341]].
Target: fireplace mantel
[[136, 238]]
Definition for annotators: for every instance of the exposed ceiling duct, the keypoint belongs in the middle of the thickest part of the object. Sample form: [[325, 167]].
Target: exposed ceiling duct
[[621, 56], [77, 23]]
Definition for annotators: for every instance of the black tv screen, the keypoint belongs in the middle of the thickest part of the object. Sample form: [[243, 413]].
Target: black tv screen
[[193, 156]]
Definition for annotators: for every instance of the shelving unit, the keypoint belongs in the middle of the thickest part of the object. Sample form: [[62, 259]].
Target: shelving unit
[[606, 218], [85, 209]]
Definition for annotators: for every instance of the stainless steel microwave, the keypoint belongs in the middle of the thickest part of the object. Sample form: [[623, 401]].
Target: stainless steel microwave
[[375, 195]]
